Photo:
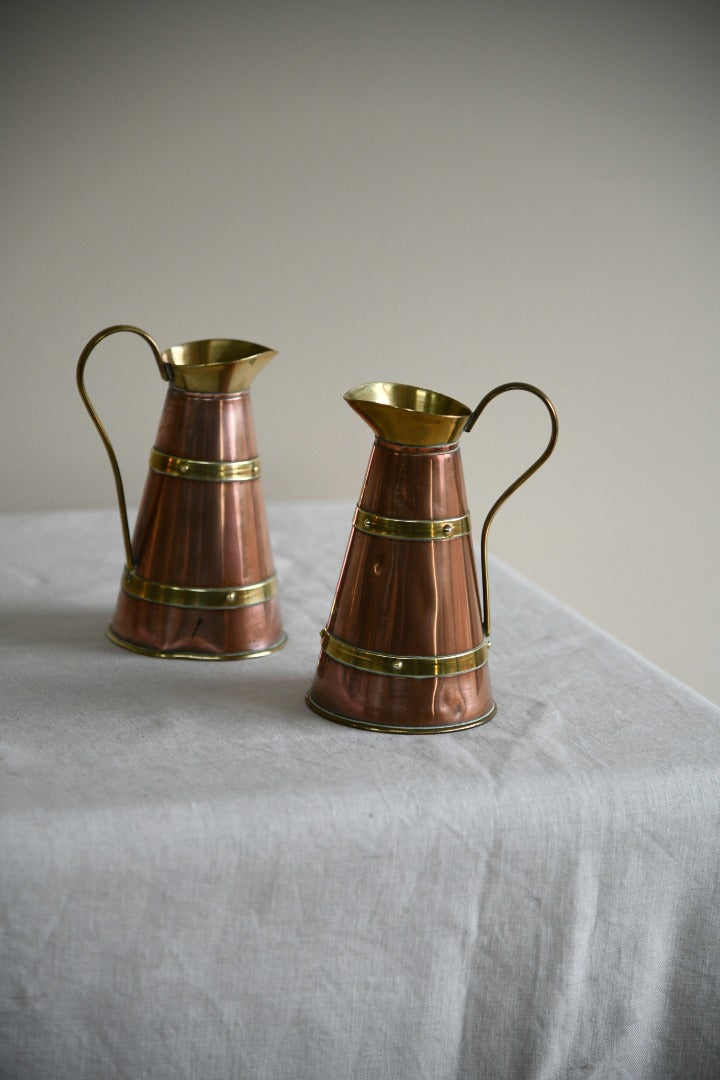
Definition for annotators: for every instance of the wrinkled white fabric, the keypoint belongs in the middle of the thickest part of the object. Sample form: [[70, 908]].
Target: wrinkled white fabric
[[200, 878]]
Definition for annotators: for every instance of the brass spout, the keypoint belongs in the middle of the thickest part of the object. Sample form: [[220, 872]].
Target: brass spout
[[409, 415], [215, 366]]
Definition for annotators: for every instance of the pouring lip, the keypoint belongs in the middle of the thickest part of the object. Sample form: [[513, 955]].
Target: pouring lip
[[409, 398], [409, 415], [207, 351], [215, 364]]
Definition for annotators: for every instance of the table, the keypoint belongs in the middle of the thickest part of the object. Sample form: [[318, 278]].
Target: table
[[200, 878]]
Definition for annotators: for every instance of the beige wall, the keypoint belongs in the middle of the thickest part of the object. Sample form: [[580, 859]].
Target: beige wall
[[453, 195]]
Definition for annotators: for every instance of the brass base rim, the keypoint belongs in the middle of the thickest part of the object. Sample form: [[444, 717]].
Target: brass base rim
[[189, 654], [394, 729]]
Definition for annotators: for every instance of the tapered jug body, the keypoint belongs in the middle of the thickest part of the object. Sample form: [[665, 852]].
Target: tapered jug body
[[405, 648], [199, 580]]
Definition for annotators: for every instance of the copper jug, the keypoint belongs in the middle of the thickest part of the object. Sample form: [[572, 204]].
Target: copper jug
[[405, 647], [198, 581]]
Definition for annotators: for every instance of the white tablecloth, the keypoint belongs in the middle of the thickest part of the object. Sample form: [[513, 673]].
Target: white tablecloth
[[200, 878]]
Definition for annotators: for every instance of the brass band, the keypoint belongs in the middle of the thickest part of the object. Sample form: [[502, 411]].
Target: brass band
[[189, 469], [410, 667], [228, 597], [402, 529]]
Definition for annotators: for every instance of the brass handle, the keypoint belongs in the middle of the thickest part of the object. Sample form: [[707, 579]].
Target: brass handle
[[129, 558], [516, 484]]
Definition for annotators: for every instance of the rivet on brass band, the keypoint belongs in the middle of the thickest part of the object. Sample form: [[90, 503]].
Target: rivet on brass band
[[402, 529], [409, 667], [189, 469], [229, 597]]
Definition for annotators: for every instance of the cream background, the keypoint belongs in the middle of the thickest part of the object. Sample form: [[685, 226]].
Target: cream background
[[453, 195]]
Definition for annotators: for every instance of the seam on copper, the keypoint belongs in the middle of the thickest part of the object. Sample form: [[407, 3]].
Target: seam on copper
[[192, 469], [209, 395], [228, 596], [410, 529], [411, 448], [408, 667]]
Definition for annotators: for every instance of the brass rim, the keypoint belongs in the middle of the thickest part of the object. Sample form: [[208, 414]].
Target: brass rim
[[228, 597], [407, 667], [215, 366], [407, 415], [403, 529], [188, 654], [397, 729], [191, 469]]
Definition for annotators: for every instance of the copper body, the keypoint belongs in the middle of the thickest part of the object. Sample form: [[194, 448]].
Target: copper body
[[198, 581], [202, 534], [407, 598], [405, 648]]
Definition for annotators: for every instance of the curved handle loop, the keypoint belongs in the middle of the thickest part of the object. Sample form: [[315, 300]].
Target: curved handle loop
[[515, 485], [100, 336]]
